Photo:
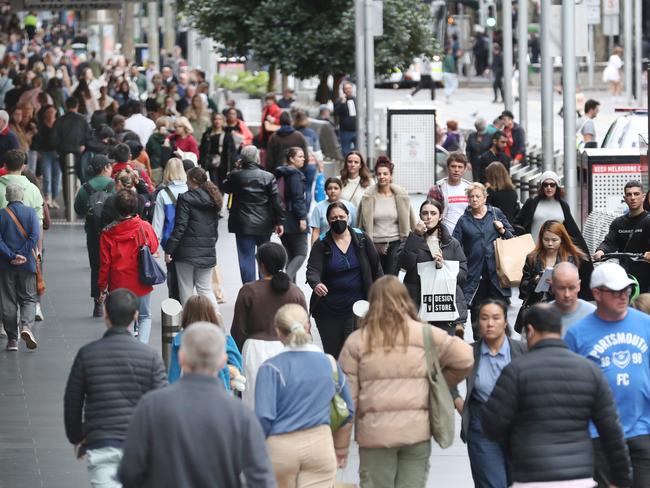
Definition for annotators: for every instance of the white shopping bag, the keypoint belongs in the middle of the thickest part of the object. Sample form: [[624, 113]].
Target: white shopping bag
[[438, 291]]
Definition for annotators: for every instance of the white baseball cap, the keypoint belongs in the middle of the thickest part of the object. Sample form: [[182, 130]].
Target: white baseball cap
[[611, 276]]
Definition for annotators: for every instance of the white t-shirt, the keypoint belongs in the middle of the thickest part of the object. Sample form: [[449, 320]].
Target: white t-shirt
[[455, 204], [141, 125]]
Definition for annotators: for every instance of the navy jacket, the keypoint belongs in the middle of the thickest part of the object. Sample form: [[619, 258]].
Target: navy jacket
[[294, 198], [477, 237], [8, 141], [13, 242]]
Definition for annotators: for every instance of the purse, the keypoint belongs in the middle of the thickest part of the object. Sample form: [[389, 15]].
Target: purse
[[339, 411], [441, 404], [40, 281], [150, 272]]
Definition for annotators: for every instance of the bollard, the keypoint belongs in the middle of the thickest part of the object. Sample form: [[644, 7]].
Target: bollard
[[170, 317], [70, 182]]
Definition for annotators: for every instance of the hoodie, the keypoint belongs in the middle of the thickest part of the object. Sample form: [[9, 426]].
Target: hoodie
[[119, 244], [32, 197], [286, 137], [194, 237]]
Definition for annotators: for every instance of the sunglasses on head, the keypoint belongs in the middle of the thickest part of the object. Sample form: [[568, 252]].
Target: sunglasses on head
[[549, 185]]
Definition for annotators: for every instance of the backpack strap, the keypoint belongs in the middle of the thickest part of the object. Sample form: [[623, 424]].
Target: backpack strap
[[89, 188], [170, 194]]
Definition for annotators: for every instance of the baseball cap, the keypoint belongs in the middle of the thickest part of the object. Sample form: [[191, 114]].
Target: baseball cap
[[611, 276], [99, 162]]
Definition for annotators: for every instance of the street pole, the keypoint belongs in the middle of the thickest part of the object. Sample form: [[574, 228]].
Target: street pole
[[370, 82], [629, 47], [169, 30], [569, 96], [128, 48], [152, 34], [638, 64], [591, 55], [548, 163], [507, 53], [360, 69], [522, 41]]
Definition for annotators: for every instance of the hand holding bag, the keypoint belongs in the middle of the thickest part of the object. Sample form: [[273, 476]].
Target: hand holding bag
[[339, 411], [441, 404], [40, 281], [510, 256], [149, 270]]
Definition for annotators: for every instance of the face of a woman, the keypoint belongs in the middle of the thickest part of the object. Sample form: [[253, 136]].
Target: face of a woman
[[298, 160], [353, 164], [476, 199], [550, 241], [231, 116], [333, 192], [180, 129], [492, 322], [197, 103], [337, 214], [430, 216], [549, 187], [18, 116], [49, 116], [217, 122], [384, 178]]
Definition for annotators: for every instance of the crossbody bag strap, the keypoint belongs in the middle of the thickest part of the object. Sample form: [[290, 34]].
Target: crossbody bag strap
[[20, 227], [638, 224], [427, 339], [335, 373], [170, 194]]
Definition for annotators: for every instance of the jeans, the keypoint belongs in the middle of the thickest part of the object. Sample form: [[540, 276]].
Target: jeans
[[487, 458], [395, 467], [246, 245], [451, 83], [102, 467], [334, 331], [51, 173], [296, 247], [639, 448], [348, 140], [190, 277], [310, 174], [32, 160], [144, 318], [17, 291], [303, 458]]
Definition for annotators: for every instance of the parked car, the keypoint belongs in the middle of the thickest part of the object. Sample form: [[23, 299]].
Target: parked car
[[626, 131]]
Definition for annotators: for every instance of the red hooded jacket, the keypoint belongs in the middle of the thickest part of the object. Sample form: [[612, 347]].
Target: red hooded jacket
[[118, 252]]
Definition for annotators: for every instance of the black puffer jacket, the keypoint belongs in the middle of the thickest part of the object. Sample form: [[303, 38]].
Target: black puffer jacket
[[294, 197], [541, 406], [107, 380], [195, 233], [256, 208], [414, 250]]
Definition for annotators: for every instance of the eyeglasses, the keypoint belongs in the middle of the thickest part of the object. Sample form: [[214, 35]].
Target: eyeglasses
[[625, 291], [549, 185]]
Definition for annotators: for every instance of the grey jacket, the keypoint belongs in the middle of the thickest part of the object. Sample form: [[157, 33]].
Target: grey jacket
[[213, 438]]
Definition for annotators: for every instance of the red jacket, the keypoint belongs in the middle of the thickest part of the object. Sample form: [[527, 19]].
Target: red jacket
[[118, 252], [185, 144]]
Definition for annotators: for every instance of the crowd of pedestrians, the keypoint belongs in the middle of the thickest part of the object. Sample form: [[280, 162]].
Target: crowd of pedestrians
[[257, 402]]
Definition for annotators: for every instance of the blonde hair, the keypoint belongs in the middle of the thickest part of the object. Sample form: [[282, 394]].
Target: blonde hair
[[476, 186], [642, 303], [390, 308], [127, 177], [174, 171], [185, 123], [163, 121], [293, 322]]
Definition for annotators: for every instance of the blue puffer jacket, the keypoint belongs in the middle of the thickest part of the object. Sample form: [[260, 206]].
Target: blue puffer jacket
[[476, 236], [13, 242]]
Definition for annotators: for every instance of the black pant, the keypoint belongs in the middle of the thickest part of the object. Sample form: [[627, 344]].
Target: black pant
[[296, 247], [334, 331], [93, 259], [426, 82], [389, 260], [639, 448], [172, 282], [497, 86]]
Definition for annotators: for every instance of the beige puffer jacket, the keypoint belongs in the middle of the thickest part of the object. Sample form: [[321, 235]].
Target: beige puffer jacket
[[390, 389]]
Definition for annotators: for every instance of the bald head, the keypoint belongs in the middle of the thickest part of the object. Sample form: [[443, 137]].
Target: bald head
[[565, 284]]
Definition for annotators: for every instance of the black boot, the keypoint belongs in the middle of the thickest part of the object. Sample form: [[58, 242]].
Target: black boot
[[98, 309]]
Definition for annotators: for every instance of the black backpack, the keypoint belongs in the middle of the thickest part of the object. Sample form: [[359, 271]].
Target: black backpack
[[96, 200]]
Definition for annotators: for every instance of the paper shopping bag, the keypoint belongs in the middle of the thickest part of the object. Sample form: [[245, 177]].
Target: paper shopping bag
[[510, 255]]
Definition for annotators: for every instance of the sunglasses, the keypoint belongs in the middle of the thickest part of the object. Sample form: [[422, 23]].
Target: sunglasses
[[548, 185]]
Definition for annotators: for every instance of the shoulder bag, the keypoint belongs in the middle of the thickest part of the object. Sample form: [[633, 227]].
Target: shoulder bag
[[339, 411], [40, 281], [441, 404], [149, 270]]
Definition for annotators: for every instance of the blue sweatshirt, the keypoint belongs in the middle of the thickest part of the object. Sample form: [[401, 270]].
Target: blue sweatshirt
[[621, 350], [294, 390]]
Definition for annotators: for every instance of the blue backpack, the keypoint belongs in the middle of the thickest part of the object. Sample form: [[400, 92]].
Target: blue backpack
[[170, 216]]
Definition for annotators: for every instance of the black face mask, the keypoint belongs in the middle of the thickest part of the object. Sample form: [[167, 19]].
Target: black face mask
[[339, 226]]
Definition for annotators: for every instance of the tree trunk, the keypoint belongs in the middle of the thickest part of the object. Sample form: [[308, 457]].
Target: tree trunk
[[270, 87], [322, 92], [338, 78]]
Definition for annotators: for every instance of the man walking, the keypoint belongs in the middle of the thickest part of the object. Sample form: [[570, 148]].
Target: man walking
[[453, 190], [631, 233], [585, 128], [516, 137], [497, 152], [208, 439], [346, 111], [477, 143], [255, 210], [616, 338], [19, 234], [565, 284], [541, 406], [107, 380]]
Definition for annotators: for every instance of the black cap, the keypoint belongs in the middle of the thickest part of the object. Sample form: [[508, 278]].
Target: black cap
[[105, 132], [507, 113], [98, 163]]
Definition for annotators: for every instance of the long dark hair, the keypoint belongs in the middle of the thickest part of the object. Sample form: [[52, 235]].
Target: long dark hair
[[364, 173], [199, 177], [274, 258], [438, 205]]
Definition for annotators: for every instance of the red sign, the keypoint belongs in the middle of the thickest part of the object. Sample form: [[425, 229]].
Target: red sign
[[619, 169]]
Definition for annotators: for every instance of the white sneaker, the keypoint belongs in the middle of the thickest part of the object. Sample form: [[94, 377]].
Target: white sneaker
[[409, 97], [39, 313]]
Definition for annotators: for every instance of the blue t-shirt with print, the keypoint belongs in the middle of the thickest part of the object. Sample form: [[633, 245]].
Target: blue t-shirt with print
[[621, 351]]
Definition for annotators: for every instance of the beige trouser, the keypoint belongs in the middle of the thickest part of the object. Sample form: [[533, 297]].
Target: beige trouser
[[304, 458]]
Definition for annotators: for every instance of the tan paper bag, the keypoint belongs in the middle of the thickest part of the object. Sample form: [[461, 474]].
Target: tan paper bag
[[216, 285], [510, 255]]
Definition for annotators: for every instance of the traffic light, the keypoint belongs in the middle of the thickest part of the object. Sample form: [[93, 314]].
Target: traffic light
[[491, 17]]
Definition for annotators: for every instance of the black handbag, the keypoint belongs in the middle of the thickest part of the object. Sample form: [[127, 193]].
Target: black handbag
[[151, 273]]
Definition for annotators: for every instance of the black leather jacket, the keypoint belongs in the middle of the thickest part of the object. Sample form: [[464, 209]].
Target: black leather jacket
[[256, 208]]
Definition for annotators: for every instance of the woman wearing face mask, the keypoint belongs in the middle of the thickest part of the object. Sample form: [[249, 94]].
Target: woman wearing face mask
[[342, 266], [318, 220], [431, 241]]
